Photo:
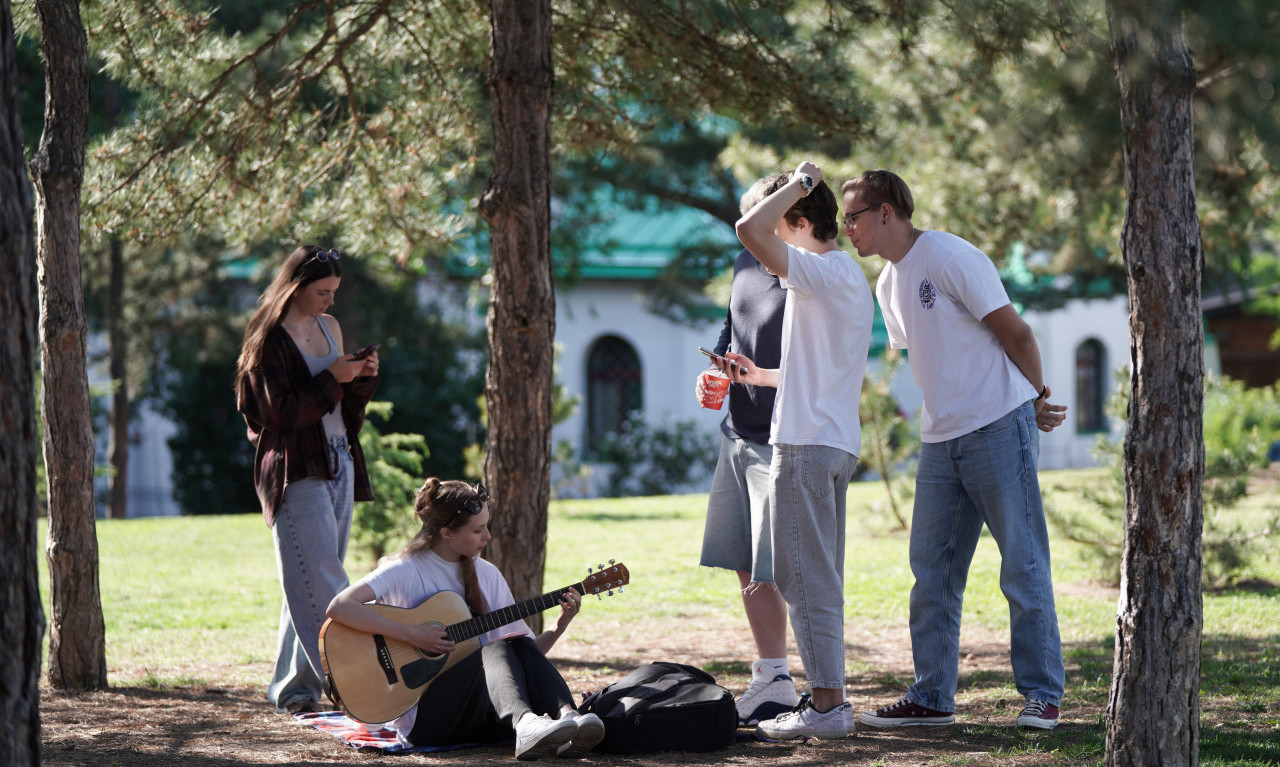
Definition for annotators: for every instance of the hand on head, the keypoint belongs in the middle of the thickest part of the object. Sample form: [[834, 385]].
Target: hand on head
[[811, 170]]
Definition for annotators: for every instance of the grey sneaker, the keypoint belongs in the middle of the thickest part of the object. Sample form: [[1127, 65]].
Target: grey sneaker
[[1038, 714], [588, 735], [904, 713], [806, 722], [540, 736], [766, 697]]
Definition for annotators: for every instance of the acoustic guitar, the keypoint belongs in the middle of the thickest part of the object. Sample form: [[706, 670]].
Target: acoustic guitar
[[375, 678]]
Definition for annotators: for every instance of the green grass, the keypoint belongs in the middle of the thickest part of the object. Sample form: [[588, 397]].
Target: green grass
[[186, 598]]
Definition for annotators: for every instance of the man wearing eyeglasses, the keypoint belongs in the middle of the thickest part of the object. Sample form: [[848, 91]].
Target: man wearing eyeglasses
[[816, 437], [978, 365]]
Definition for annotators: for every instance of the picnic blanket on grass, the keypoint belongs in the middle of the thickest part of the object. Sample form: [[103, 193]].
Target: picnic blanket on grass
[[363, 737], [367, 739]]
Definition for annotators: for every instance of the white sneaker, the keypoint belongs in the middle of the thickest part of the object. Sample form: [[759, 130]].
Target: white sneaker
[[769, 695], [589, 734], [805, 722], [539, 736]]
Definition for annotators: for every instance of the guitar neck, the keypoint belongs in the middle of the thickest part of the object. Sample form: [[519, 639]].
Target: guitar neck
[[489, 621]]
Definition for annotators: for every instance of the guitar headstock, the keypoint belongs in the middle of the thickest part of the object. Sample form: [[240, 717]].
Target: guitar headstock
[[606, 579]]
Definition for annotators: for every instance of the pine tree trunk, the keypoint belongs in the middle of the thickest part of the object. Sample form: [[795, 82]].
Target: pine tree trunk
[[77, 649], [518, 388], [1153, 716], [21, 616], [118, 447]]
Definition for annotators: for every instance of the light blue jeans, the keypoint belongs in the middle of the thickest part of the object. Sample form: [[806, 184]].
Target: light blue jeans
[[311, 531], [987, 475], [810, 486]]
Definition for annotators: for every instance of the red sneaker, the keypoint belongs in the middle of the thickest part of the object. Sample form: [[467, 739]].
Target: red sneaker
[[1038, 714], [904, 713]]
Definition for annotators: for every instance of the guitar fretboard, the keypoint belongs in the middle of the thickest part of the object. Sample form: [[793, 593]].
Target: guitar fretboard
[[501, 617]]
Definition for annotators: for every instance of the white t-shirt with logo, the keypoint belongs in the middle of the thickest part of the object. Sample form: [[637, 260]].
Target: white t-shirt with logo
[[412, 581], [826, 331], [933, 302]]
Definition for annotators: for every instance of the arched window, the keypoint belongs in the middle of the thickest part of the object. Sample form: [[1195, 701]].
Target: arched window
[[1091, 389], [613, 387]]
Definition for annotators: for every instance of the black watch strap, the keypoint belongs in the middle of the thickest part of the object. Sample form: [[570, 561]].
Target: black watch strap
[[1044, 392]]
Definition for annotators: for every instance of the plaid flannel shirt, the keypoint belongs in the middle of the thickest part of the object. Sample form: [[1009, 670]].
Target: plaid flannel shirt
[[282, 405]]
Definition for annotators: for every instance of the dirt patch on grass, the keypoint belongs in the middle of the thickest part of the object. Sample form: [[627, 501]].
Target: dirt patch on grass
[[136, 725]]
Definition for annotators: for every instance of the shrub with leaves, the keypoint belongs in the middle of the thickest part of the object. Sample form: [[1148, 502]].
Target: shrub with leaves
[[394, 462], [889, 442], [656, 460], [1228, 542]]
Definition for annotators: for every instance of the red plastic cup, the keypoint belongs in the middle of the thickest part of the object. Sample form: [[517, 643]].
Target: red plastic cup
[[714, 387]]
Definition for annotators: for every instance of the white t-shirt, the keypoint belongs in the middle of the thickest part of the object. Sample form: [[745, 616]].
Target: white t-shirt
[[826, 331], [933, 302], [412, 581]]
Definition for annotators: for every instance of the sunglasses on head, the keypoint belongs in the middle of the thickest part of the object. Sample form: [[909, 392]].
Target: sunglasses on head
[[324, 255], [475, 505]]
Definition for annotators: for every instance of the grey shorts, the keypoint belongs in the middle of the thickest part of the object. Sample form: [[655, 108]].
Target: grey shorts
[[737, 534]]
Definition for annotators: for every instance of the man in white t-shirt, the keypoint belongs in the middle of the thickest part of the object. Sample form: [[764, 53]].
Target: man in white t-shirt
[[814, 430], [978, 365]]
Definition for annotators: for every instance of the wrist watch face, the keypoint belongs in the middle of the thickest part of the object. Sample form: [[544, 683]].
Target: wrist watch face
[[806, 181]]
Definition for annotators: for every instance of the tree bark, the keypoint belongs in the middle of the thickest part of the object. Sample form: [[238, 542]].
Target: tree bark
[[521, 321], [1153, 716], [118, 446], [77, 649], [118, 349], [21, 615]]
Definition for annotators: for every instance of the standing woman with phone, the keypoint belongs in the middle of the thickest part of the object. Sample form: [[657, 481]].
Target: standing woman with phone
[[303, 402]]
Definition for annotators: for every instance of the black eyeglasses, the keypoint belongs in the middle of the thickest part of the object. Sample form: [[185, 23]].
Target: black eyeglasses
[[849, 217], [475, 505], [325, 255]]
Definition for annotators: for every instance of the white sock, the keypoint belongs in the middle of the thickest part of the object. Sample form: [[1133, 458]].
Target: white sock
[[766, 665]]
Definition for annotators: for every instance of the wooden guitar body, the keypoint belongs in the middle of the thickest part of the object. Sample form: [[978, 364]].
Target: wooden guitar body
[[375, 678]]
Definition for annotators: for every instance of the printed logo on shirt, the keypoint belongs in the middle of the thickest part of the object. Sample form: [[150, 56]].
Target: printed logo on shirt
[[928, 295]]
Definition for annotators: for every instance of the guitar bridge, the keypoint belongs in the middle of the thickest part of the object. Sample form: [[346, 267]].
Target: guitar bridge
[[384, 658]]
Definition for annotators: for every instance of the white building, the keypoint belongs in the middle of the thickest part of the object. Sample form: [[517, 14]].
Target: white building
[[617, 356]]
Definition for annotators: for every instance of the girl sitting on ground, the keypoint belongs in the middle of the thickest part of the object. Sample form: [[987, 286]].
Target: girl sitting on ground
[[508, 687]]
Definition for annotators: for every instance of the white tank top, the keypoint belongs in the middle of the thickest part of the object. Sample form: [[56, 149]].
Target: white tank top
[[333, 424]]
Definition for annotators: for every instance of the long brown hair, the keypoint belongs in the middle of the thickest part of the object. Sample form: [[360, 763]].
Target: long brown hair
[[300, 269], [448, 504]]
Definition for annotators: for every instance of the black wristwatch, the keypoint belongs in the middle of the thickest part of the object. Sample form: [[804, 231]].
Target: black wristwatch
[[1044, 392], [806, 182]]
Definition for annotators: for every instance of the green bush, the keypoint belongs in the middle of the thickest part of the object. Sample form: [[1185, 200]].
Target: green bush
[[656, 460], [1232, 451], [394, 462], [890, 444], [1235, 415]]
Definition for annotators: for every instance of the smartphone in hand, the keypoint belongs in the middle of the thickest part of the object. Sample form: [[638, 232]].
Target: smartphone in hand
[[720, 362], [365, 352]]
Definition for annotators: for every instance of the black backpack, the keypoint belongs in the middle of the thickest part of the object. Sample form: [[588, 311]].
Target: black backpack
[[664, 707]]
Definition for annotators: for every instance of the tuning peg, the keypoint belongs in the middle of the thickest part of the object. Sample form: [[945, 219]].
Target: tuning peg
[[621, 589], [611, 561]]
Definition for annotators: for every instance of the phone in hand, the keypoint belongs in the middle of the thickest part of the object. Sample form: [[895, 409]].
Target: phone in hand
[[365, 352], [719, 361]]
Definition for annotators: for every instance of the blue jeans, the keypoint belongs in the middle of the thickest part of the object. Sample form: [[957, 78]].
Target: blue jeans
[[987, 475], [311, 532], [807, 506]]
